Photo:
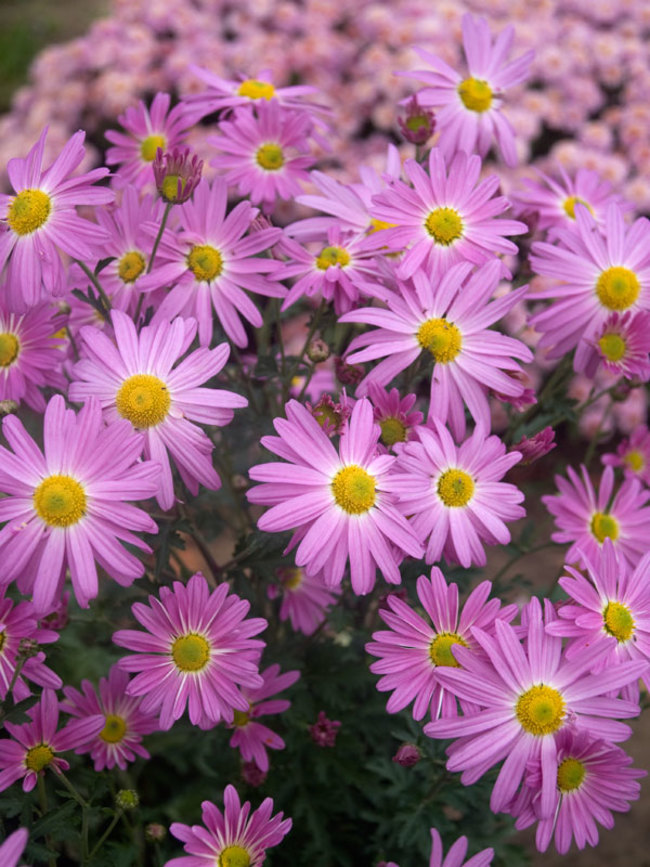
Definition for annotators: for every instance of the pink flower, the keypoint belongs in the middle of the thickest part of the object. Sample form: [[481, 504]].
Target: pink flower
[[623, 344], [305, 599], [535, 447], [13, 846], [196, 652], [235, 837], [455, 856], [324, 731], [633, 455], [393, 415]]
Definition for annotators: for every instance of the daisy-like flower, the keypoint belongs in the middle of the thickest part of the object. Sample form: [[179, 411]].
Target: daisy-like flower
[[446, 217], [393, 413], [253, 738], [594, 779], [35, 746], [468, 107], [597, 276], [623, 344], [586, 518], [454, 493], [13, 846], [455, 857], [30, 354], [337, 502], [633, 455], [138, 378], [210, 263], [40, 220], [449, 322], [412, 650], [66, 508], [265, 152], [527, 693], [146, 130], [197, 650], [120, 740], [305, 599], [233, 838]]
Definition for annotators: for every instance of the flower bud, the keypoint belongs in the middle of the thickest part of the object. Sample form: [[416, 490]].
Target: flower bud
[[127, 799], [177, 176], [154, 832], [407, 755], [418, 125], [318, 351]]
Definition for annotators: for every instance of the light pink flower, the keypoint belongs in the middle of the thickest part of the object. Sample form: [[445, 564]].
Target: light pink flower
[[305, 599], [623, 344], [633, 455]]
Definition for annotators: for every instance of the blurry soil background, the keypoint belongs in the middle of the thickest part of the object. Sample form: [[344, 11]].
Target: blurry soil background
[[26, 26]]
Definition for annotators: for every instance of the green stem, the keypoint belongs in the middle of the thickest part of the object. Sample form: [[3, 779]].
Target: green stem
[[42, 797], [105, 835], [286, 385], [98, 286], [502, 571], [163, 223], [75, 794]]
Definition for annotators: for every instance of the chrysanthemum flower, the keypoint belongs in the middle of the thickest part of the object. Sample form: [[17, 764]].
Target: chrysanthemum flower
[[251, 737], [393, 413], [446, 217], [40, 220], [136, 378], [338, 503], [35, 746], [67, 509], [210, 263], [13, 846], [305, 599], [412, 650], [467, 107], [232, 839], [633, 455], [527, 694], [623, 344], [120, 740], [196, 652], [454, 493], [586, 519], [448, 321]]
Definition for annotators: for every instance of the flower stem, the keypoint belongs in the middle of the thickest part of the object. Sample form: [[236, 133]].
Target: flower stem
[[98, 286], [163, 223]]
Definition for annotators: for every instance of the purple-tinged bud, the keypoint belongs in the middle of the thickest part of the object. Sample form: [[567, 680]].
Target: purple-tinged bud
[[348, 374], [177, 174], [155, 832], [323, 732], [407, 755], [536, 446], [252, 775], [418, 125]]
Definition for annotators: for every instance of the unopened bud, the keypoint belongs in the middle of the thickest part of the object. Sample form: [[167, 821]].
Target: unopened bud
[[177, 175], [418, 125], [155, 832], [318, 351], [252, 774], [348, 374], [27, 648], [407, 755], [127, 799]]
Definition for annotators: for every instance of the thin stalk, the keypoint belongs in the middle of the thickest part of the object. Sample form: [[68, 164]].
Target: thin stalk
[[163, 223], [42, 798], [105, 835], [98, 286], [286, 385]]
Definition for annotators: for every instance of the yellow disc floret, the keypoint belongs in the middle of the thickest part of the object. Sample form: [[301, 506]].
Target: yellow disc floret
[[440, 649], [270, 157], [205, 262], [254, 89], [28, 211], [455, 488], [442, 338], [570, 775], [604, 526], [292, 578], [241, 717], [617, 288], [540, 710], [476, 94], [38, 757], [114, 729], [618, 621], [234, 856], [392, 430], [612, 346], [444, 225], [60, 501], [191, 652], [354, 490], [130, 266], [330, 256], [3, 639], [634, 460], [9, 348], [570, 206], [143, 399], [150, 145]]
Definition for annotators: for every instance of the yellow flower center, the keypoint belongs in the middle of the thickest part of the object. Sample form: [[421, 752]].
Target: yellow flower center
[[130, 266], [612, 346], [444, 225], [475, 94], [143, 399], [60, 501], [170, 187], [9, 348], [604, 526], [440, 649], [392, 431], [634, 460], [443, 339], [150, 146], [570, 206], [330, 256], [254, 89], [540, 710], [29, 211], [617, 288], [270, 157], [455, 488], [292, 578], [378, 225], [114, 729], [38, 757], [234, 856], [3, 638], [570, 774], [241, 717], [191, 652], [205, 262], [354, 490], [618, 621]]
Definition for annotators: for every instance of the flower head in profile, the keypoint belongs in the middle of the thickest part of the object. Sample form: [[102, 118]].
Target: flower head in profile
[[305, 599], [633, 455], [177, 174], [535, 447]]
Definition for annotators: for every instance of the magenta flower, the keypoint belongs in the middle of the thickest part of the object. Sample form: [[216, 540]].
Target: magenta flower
[[34, 746], [120, 740], [196, 652], [338, 503], [13, 846], [393, 413], [139, 378], [324, 731], [251, 737], [586, 518], [66, 508], [468, 107], [535, 447], [633, 455], [40, 220], [412, 651], [623, 344], [305, 599], [234, 837]]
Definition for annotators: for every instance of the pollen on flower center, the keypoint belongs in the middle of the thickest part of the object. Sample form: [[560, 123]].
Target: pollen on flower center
[[143, 399], [331, 256], [634, 460], [150, 146], [604, 526], [29, 211], [455, 488], [442, 338], [570, 206], [570, 775], [440, 649], [130, 266], [618, 288], [9, 348], [378, 225], [540, 710], [254, 89], [191, 652], [475, 94], [270, 157], [354, 490], [60, 501], [618, 621], [241, 717], [292, 578], [392, 430], [444, 225], [38, 757], [114, 729], [612, 346], [205, 262], [234, 856]]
